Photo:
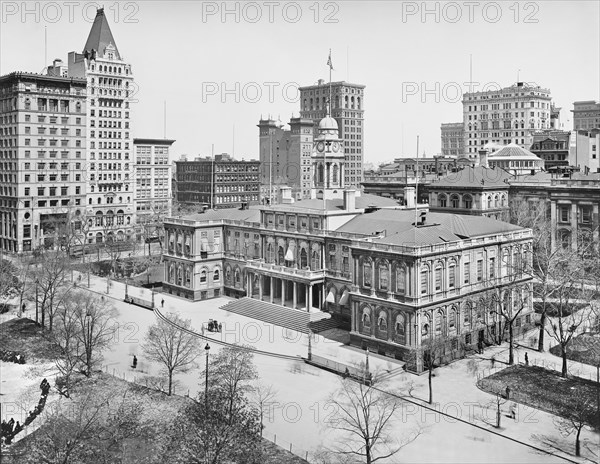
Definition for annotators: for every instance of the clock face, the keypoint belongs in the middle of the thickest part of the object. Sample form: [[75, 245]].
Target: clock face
[[320, 146], [335, 147]]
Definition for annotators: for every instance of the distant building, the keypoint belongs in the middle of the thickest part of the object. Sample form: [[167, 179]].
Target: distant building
[[219, 182], [586, 115], [479, 191], [553, 147], [152, 171], [348, 110], [453, 139], [285, 157], [584, 150], [43, 148], [515, 160], [506, 116]]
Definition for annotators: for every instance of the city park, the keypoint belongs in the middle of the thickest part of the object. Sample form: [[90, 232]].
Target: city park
[[475, 409]]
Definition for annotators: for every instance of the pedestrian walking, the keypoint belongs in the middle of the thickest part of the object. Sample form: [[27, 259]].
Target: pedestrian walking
[[507, 392], [513, 411], [134, 361], [493, 361], [23, 307], [526, 360], [162, 303]]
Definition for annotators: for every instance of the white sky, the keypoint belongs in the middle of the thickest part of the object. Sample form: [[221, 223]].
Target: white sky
[[180, 56]]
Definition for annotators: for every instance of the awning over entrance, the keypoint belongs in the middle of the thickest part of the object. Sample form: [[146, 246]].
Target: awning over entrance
[[289, 256], [330, 297], [344, 298]]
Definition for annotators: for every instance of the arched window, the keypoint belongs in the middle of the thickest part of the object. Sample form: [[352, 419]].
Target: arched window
[[400, 278], [366, 317], [454, 201], [202, 276], [467, 314], [270, 253], [367, 274], [496, 201], [489, 202], [425, 327], [383, 276], [238, 277], [442, 200], [382, 320], [179, 276], [424, 281], [315, 264], [400, 324], [335, 174], [452, 319], [439, 318], [188, 277], [216, 275], [303, 258], [280, 256], [468, 201]]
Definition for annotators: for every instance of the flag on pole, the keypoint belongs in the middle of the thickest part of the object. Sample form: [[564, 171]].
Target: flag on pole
[[329, 61]]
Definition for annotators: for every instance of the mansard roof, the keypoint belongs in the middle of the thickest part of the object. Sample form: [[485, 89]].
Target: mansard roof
[[396, 227], [473, 177], [100, 36]]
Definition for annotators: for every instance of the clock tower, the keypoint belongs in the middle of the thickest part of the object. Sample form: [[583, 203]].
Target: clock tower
[[327, 168]]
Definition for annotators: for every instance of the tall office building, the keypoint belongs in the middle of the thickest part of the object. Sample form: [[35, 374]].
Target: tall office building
[[586, 115], [504, 116], [153, 198], [453, 138], [285, 157], [110, 193], [348, 110], [42, 157]]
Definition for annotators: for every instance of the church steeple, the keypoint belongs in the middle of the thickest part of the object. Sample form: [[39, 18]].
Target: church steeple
[[100, 40]]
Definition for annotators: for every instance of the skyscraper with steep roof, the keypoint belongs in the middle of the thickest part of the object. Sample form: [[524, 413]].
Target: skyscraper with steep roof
[[110, 188]]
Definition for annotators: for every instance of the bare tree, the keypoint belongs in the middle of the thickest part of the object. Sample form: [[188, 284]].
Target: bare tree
[[51, 282], [92, 429], [205, 433], [365, 416], [569, 316], [579, 415], [261, 397], [152, 227], [431, 352], [172, 344], [94, 318], [232, 370]]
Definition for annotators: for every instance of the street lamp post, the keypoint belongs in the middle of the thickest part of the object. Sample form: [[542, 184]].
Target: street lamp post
[[153, 298], [309, 345], [367, 365], [126, 282], [206, 349]]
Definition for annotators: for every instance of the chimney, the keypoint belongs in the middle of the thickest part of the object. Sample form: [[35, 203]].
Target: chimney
[[286, 195], [350, 200], [483, 158], [409, 197]]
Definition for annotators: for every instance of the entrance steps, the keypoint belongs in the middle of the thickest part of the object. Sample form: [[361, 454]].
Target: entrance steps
[[289, 318]]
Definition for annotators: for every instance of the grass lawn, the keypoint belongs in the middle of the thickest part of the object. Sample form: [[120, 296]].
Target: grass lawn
[[584, 348], [543, 389], [23, 336]]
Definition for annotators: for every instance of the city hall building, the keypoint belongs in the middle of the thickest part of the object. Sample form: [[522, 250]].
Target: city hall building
[[394, 276]]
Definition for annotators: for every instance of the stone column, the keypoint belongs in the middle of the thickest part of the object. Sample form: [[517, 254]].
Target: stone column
[[260, 287], [309, 301], [553, 224], [320, 289], [295, 297], [271, 289], [282, 292], [249, 284], [574, 226]]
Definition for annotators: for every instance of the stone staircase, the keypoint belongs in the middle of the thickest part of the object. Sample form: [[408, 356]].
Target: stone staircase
[[282, 316]]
